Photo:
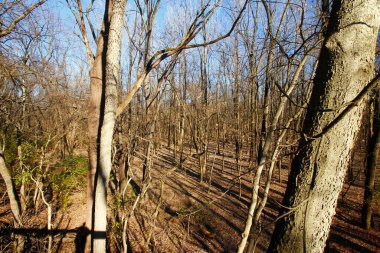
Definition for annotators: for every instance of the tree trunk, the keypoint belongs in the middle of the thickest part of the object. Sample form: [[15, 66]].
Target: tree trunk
[[20, 128], [182, 114], [94, 119], [265, 155], [203, 162], [14, 200], [261, 206], [371, 161], [112, 78], [268, 75], [11, 190], [346, 64]]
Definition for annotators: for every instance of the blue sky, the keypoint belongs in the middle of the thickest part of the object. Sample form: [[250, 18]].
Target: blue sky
[[168, 17]]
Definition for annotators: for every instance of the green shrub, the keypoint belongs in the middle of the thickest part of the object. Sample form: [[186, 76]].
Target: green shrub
[[30, 158], [376, 195], [10, 149], [69, 176]]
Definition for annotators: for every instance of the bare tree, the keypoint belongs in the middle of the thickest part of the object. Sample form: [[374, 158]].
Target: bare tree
[[4, 31]]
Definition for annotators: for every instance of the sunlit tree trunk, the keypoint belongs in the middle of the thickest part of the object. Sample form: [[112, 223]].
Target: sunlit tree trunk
[[265, 156], [346, 65], [11, 189], [150, 113], [112, 79], [182, 113], [94, 120]]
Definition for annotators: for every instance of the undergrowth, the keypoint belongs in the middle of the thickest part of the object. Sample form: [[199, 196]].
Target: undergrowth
[[69, 176]]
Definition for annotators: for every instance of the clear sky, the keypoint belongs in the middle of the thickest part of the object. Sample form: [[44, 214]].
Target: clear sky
[[170, 20]]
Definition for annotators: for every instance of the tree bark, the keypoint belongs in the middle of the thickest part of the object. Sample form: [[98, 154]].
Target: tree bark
[[112, 78], [346, 65], [94, 119], [11, 190]]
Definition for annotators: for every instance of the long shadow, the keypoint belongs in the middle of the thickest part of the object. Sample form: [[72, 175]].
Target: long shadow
[[37, 232], [202, 242], [196, 176], [347, 219], [136, 188], [228, 222], [8, 211], [233, 209], [269, 215], [80, 234], [221, 188], [232, 193], [246, 185], [193, 174], [60, 241], [182, 189], [278, 193], [167, 159], [352, 233], [343, 241]]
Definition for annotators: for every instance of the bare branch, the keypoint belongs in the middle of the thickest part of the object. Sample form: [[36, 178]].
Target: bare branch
[[84, 33], [161, 55], [10, 28]]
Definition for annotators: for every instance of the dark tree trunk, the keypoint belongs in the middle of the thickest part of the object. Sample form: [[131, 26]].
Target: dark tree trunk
[[371, 161]]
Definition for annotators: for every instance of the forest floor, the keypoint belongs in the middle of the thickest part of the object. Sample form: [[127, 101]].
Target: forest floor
[[204, 217]]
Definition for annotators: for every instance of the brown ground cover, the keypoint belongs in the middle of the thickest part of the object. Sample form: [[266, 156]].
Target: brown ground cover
[[202, 217]]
